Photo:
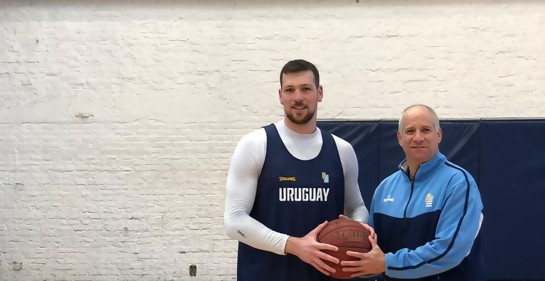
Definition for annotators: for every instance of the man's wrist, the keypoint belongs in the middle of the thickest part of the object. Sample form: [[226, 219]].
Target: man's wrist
[[288, 249]]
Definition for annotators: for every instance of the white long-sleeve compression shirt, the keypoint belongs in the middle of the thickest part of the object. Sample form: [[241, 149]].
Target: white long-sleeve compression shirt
[[246, 164]]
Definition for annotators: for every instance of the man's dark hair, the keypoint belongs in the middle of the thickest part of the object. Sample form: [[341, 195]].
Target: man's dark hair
[[295, 66]]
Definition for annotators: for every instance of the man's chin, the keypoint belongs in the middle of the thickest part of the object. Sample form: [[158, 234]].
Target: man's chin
[[299, 120], [421, 158]]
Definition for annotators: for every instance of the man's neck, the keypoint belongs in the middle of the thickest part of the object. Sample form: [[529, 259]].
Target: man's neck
[[412, 168]]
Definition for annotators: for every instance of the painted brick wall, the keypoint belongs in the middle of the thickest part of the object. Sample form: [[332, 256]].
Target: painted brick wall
[[118, 118]]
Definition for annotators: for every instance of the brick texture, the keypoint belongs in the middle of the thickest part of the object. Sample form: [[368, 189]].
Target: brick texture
[[118, 118]]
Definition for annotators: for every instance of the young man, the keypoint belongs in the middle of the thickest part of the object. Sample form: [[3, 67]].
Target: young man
[[285, 181], [427, 215]]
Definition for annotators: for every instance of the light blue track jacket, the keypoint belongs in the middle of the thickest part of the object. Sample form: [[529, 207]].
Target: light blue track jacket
[[428, 226]]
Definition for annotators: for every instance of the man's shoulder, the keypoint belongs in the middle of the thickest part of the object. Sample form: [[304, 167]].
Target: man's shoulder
[[344, 148], [255, 137], [456, 170], [338, 140]]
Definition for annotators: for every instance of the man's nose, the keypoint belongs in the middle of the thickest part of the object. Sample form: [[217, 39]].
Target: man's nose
[[418, 136], [298, 95]]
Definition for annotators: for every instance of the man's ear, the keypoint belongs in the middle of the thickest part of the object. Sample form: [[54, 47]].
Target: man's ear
[[320, 93], [440, 134], [280, 96]]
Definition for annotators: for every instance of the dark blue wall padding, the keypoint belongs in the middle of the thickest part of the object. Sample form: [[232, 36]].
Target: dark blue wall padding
[[506, 158], [512, 184]]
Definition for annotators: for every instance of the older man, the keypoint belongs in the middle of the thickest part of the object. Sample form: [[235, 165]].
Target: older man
[[427, 215]]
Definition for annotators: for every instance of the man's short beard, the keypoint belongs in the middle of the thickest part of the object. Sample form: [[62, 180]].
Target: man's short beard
[[302, 121]]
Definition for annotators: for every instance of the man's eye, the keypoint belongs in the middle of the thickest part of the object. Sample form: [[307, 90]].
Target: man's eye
[[288, 90]]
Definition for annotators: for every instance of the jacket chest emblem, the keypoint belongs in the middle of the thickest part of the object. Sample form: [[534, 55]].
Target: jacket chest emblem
[[429, 200]]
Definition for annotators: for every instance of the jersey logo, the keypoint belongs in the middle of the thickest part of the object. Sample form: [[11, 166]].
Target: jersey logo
[[388, 199], [286, 178], [325, 177], [429, 200]]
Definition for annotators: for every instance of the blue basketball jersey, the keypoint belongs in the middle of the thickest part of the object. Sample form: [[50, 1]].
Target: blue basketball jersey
[[293, 197]]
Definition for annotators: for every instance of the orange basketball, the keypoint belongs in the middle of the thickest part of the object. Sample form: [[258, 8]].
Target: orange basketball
[[347, 235]]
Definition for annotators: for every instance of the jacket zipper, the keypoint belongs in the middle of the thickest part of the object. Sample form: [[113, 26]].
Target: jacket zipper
[[412, 190]]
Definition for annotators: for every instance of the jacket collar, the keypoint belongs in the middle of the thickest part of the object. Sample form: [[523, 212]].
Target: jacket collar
[[427, 168]]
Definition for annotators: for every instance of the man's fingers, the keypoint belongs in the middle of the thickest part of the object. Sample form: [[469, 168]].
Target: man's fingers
[[319, 228], [329, 258], [373, 240], [341, 216], [326, 267], [353, 269], [370, 229], [327, 247], [358, 255], [356, 263], [351, 264], [323, 267]]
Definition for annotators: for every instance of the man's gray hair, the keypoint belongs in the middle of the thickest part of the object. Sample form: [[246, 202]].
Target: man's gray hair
[[433, 114]]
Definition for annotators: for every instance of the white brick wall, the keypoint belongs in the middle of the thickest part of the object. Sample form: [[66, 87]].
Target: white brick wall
[[135, 191]]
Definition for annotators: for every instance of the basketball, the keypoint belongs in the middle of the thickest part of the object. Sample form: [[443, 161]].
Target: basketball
[[347, 235]]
